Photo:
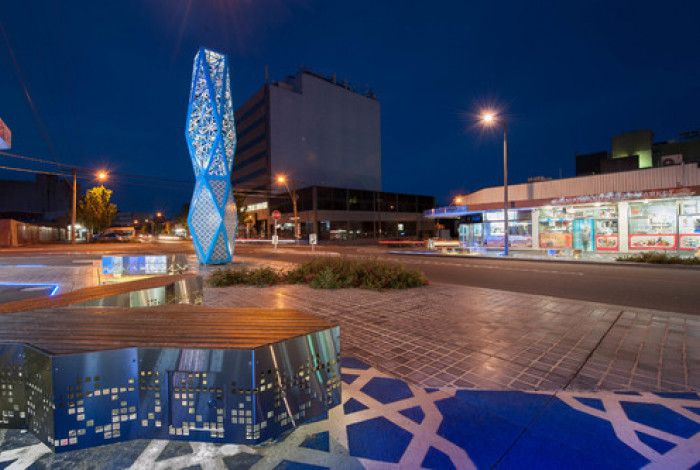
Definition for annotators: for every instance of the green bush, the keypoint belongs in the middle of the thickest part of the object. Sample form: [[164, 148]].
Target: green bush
[[326, 273], [332, 273], [658, 257], [260, 277]]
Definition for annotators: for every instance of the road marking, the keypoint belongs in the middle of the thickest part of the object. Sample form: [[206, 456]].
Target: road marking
[[504, 268]]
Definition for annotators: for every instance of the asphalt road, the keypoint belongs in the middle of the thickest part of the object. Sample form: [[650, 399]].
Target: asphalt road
[[674, 289]]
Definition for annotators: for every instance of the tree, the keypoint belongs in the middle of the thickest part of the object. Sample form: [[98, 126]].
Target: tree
[[94, 209]]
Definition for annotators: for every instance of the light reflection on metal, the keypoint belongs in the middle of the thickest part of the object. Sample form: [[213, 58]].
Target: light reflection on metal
[[53, 286], [82, 400], [211, 140], [184, 291]]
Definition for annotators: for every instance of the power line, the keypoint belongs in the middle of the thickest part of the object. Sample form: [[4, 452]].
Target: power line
[[40, 160], [43, 130], [28, 170]]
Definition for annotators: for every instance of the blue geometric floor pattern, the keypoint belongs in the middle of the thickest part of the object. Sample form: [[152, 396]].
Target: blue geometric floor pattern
[[384, 422], [387, 423]]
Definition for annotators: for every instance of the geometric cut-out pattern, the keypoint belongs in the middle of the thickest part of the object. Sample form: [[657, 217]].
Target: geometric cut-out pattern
[[211, 141]]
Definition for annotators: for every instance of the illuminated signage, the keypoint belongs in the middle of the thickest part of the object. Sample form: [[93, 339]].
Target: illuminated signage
[[5, 136], [623, 196]]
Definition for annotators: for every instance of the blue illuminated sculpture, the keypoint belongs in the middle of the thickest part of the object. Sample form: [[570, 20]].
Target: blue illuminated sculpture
[[211, 139]]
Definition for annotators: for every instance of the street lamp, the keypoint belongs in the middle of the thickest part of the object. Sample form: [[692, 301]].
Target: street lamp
[[488, 119], [101, 176], [283, 180], [458, 201]]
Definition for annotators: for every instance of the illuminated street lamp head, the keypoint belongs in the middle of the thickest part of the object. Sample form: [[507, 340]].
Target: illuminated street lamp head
[[281, 179], [136, 221], [159, 214], [102, 175], [458, 200], [488, 118]]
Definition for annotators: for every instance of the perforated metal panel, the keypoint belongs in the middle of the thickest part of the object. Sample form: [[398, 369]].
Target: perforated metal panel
[[243, 396], [211, 139]]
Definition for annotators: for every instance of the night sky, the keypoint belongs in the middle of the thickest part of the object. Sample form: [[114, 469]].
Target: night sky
[[110, 80]]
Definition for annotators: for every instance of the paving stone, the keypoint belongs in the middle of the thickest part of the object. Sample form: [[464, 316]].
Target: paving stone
[[446, 335]]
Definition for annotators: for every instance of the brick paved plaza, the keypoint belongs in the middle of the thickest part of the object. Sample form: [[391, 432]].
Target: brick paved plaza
[[465, 337]]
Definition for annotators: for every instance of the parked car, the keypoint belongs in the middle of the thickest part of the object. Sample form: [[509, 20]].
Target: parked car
[[110, 237]]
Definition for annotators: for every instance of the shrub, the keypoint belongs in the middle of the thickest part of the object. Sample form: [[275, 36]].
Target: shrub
[[326, 273], [260, 277], [332, 273], [658, 257]]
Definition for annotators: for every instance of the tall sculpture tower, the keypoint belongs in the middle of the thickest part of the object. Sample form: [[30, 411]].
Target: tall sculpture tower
[[211, 139]]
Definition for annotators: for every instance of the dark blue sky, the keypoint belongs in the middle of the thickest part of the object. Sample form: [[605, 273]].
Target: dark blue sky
[[110, 80]]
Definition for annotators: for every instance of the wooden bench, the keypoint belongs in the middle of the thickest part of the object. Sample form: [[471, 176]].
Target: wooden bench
[[87, 376], [80, 330]]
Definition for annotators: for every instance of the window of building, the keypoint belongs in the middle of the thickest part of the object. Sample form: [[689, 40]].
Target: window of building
[[689, 225], [360, 200], [332, 199], [519, 228], [652, 225]]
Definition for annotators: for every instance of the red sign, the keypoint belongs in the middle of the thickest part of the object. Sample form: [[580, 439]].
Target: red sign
[[277, 215]]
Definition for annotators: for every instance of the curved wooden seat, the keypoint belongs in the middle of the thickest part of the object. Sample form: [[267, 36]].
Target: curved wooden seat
[[80, 330]]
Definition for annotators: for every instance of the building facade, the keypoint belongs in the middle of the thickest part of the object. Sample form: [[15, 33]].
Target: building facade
[[46, 199], [315, 130], [637, 150], [649, 209], [341, 214]]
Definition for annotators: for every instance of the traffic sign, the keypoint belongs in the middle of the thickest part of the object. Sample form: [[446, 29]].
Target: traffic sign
[[277, 215]]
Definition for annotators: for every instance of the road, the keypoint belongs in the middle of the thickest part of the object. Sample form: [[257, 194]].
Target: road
[[674, 289]]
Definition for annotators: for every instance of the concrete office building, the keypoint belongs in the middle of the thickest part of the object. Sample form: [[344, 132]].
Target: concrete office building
[[315, 130], [325, 137]]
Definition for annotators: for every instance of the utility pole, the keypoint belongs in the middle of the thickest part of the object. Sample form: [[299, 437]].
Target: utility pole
[[506, 238], [73, 206]]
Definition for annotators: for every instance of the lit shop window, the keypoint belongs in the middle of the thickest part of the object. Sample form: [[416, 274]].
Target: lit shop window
[[652, 225], [689, 225]]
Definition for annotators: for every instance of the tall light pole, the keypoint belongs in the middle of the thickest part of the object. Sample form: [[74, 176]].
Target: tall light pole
[[488, 119], [282, 179], [73, 205]]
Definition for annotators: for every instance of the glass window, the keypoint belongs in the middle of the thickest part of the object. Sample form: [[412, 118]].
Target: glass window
[[689, 225], [332, 199], [556, 228], [652, 225], [360, 200], [406, 203]]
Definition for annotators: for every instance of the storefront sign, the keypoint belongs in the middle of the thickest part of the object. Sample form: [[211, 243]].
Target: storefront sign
[[623, 196], [607, 243], [555, 240], [689, 242], [652, 242], [448, 211]]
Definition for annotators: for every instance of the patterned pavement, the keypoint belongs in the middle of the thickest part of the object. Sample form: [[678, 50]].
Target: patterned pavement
[[385, 422], [468, 337], [460, 377]]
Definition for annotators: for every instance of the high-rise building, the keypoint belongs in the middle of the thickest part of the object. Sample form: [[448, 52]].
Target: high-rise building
[[314, 129]]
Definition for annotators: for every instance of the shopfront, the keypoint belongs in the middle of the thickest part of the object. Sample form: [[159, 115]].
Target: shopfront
[[585, 228], [598, 226], [487, 229]]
